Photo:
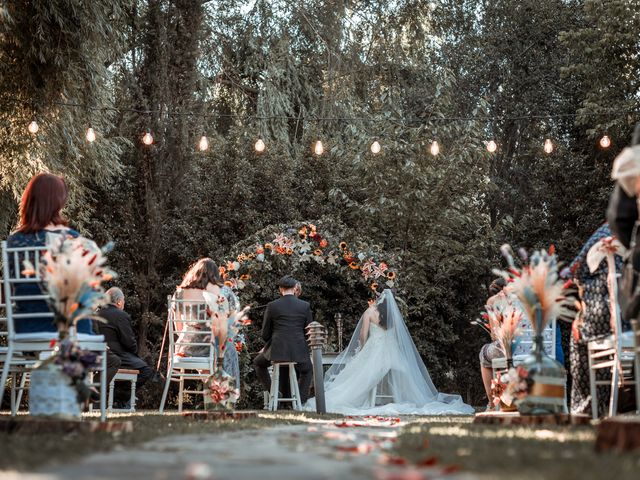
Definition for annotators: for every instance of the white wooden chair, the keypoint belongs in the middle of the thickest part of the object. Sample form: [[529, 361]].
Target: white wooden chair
[[124, 375], [15, 361], [186, 316], [274, 395], [525, 344]]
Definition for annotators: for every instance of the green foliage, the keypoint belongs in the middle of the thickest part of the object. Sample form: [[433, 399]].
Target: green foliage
[[51, 52]]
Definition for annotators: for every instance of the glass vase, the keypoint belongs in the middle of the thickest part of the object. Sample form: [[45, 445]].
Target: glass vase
[[51, 393], [504, 373], [546, 379]]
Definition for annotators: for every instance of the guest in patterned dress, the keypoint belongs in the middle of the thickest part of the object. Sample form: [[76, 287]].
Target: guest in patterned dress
[[594, 323], [204, 276]]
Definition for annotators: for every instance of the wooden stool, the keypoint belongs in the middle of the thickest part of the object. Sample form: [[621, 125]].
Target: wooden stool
[[124, 375], [274, 397]]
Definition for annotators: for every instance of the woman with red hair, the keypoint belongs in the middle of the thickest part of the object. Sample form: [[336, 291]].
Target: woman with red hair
[[40, 216]]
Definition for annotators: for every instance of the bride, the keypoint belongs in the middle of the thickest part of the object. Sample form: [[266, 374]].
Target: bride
[[381, 372]]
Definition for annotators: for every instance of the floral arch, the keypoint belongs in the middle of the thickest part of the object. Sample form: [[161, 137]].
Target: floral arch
[[293, 248]]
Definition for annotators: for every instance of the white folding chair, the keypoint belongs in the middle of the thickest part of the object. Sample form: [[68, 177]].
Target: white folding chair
[[525, 345], [15, 360], [190, 318], [617, 354]]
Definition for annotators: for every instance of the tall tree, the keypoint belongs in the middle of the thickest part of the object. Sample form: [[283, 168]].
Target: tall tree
[[55, 52]]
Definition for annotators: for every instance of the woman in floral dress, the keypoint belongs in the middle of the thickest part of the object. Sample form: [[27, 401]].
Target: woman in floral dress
[[594, 323]]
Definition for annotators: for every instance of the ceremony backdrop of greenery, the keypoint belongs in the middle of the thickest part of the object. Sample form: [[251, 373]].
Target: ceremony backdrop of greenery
[[385, 63]]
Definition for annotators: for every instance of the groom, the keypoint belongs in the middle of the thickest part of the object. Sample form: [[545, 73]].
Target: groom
[[283, 330]]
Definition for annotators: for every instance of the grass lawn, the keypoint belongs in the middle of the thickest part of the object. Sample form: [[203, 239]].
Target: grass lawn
[[488, 451], [509, 452], [26, 452]]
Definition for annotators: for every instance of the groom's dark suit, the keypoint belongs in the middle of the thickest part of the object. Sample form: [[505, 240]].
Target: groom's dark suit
[[283, 330]]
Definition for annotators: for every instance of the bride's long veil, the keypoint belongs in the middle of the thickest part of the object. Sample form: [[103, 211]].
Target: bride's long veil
[[408, 380]]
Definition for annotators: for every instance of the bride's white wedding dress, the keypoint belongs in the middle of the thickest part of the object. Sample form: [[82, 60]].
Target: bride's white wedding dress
[[385, 375]]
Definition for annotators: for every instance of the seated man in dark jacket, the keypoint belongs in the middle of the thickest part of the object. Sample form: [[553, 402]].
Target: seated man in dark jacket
[[283, 330], [119, 336]]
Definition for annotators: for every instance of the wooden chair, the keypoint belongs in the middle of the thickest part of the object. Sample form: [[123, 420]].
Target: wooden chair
[[274, 395], [525, 345], [15, 361], [616, 353], [186, 316], [124, 375]]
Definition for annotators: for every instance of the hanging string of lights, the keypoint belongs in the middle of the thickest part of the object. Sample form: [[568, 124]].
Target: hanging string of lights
[[318, 148]]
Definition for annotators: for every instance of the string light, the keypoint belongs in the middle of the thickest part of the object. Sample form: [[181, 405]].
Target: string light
[[548, 146], [91, 135], [435, 148], [492, 146], [33, 127], [318, 149], [260, 146], [203, 144], [375, 147], [605, 142], [147, 139]]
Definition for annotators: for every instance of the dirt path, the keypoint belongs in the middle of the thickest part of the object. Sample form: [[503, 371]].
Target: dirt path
[[324, 450]]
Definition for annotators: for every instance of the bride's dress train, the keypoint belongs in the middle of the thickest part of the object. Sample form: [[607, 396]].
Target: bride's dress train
[[386, 375]]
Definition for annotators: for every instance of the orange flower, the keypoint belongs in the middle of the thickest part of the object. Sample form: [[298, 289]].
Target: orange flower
[[268, 246], [222, 270], [312, 227], [323, 243], [374, 286], [391, 275], [343, 245], [259, 250], [281, 250], [383, 266], [228, 284], [317, 253], [289, 251], [230, 266], [348, 256], [353, 266], [371, 302], [245, 277]]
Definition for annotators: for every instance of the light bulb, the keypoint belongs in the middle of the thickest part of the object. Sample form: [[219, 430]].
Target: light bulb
[[319, 148], [147, 139], [203, 144], [33, 127], [375, 147], [548, 145], [91, 135], [492, 146], [259, 146], [435, 148], [605, 142]]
